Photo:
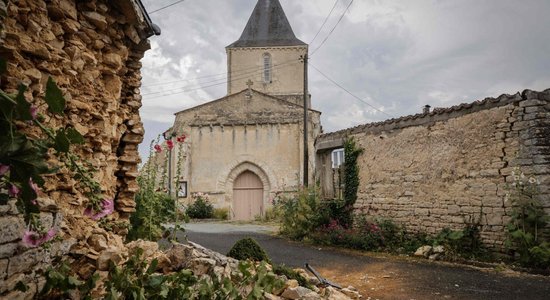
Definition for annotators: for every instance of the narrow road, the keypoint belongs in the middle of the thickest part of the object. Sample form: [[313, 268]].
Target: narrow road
[[377, 276]]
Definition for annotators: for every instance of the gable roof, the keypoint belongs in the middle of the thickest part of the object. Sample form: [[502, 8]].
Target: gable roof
[[281, 101], [267, 26]]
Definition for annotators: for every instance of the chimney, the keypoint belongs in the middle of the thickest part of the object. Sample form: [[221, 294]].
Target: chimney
[[426, 109]]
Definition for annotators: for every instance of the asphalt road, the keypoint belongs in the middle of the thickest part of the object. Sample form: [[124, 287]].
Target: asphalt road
[[376, 276]]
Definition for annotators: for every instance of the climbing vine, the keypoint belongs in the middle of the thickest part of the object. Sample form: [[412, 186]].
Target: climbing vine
[[351, 182]]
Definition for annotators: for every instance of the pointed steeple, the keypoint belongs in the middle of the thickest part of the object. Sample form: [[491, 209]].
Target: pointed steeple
[[267, 26]]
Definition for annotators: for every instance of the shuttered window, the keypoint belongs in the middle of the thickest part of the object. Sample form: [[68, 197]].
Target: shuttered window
[[267, 68]]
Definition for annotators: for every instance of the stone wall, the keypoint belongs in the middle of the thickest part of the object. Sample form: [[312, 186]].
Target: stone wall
[[92, 49], [450, 166]]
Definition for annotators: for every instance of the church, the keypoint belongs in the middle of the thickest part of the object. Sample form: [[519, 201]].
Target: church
[[245, 147]]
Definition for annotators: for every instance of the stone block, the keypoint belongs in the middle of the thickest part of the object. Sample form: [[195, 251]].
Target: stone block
[[12, 229], [8, 250], [96, 19], [33, 259], [453, 210], [3, 269], [532, 102]]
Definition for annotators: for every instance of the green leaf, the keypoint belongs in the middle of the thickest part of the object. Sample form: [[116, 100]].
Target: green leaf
[[456, 235], [54, 97], [73, 281], [155, 281], [74, 136], [23, 107], [22, 287], [62, 143], [3, 66], [152, 266]]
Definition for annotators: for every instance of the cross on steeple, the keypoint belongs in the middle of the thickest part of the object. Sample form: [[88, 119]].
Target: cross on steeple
[[249, 83]]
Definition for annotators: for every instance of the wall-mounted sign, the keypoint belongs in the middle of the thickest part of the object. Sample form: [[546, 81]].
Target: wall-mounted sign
[[182, 189]]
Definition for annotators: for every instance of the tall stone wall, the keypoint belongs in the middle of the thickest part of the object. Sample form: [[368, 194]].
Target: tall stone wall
[[92, 49], [451, 166]]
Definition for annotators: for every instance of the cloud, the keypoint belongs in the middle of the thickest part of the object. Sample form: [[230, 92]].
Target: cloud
[[396, 55]]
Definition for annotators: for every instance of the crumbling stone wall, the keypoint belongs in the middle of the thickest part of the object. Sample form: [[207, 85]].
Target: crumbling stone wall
[[92, 49], [451, 166]]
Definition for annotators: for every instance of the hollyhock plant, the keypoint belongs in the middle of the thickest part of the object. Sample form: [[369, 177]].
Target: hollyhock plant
[[158, 149], [107, 208], [170, 144], [34, 112], [4, 169], [13, 191], [181, 139], [33, 239], [34, 186]]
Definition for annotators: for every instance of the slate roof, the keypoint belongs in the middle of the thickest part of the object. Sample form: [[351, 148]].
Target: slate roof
[[267, 26]]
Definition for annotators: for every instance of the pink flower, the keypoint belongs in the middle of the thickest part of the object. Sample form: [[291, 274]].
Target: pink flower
[[33, 112], [170, 144], [34, 186], [181, 139], [33, 239], [107, 208], [158, 149], [13, 191], [4, 169]]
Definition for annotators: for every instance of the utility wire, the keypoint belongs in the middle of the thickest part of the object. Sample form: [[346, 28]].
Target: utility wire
[[200, 77], [347, 91], [238, 76], [333, 28], [325, 22], [212, 85], [156, 10]]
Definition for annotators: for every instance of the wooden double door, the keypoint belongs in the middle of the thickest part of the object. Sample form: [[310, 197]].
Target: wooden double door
[[248, 194]]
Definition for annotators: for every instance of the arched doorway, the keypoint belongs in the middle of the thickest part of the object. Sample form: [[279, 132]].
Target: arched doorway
[[248, 193]]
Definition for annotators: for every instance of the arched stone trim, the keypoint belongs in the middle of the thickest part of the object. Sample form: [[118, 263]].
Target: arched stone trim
[[243, 163], [228, 176]]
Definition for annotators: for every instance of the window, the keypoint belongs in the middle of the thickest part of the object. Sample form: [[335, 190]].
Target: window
[[267, 68], [337, 158]]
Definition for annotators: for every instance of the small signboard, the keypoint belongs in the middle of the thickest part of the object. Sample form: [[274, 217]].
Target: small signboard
[[182, 189]]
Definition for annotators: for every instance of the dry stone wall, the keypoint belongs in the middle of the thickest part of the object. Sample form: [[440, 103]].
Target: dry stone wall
[[92, 49], [451, 166]]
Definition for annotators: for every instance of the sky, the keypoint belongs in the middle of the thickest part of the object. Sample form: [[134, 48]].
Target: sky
[[395, 56]]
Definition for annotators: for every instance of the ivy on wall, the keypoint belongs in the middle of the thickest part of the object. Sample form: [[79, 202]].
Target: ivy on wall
[[351, 182]]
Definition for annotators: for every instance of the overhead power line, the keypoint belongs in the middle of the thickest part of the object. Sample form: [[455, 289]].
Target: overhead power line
[[333, 28], [347, 91], [164, 7], [324, 22], [216, 84], [201, 77], [237, 76]]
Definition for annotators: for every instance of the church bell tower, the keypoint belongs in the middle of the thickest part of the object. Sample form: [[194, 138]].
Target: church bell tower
[[267, 55]]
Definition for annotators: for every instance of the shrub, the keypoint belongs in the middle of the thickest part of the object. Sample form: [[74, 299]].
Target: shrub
[[301, 213], [465, 243], [152, 209], [221, 213], [201, 208], [248, 248], [528, 221], [271, 214], [137, 279]]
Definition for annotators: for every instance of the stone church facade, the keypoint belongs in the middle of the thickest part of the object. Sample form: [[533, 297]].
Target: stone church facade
[[243, 148]]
